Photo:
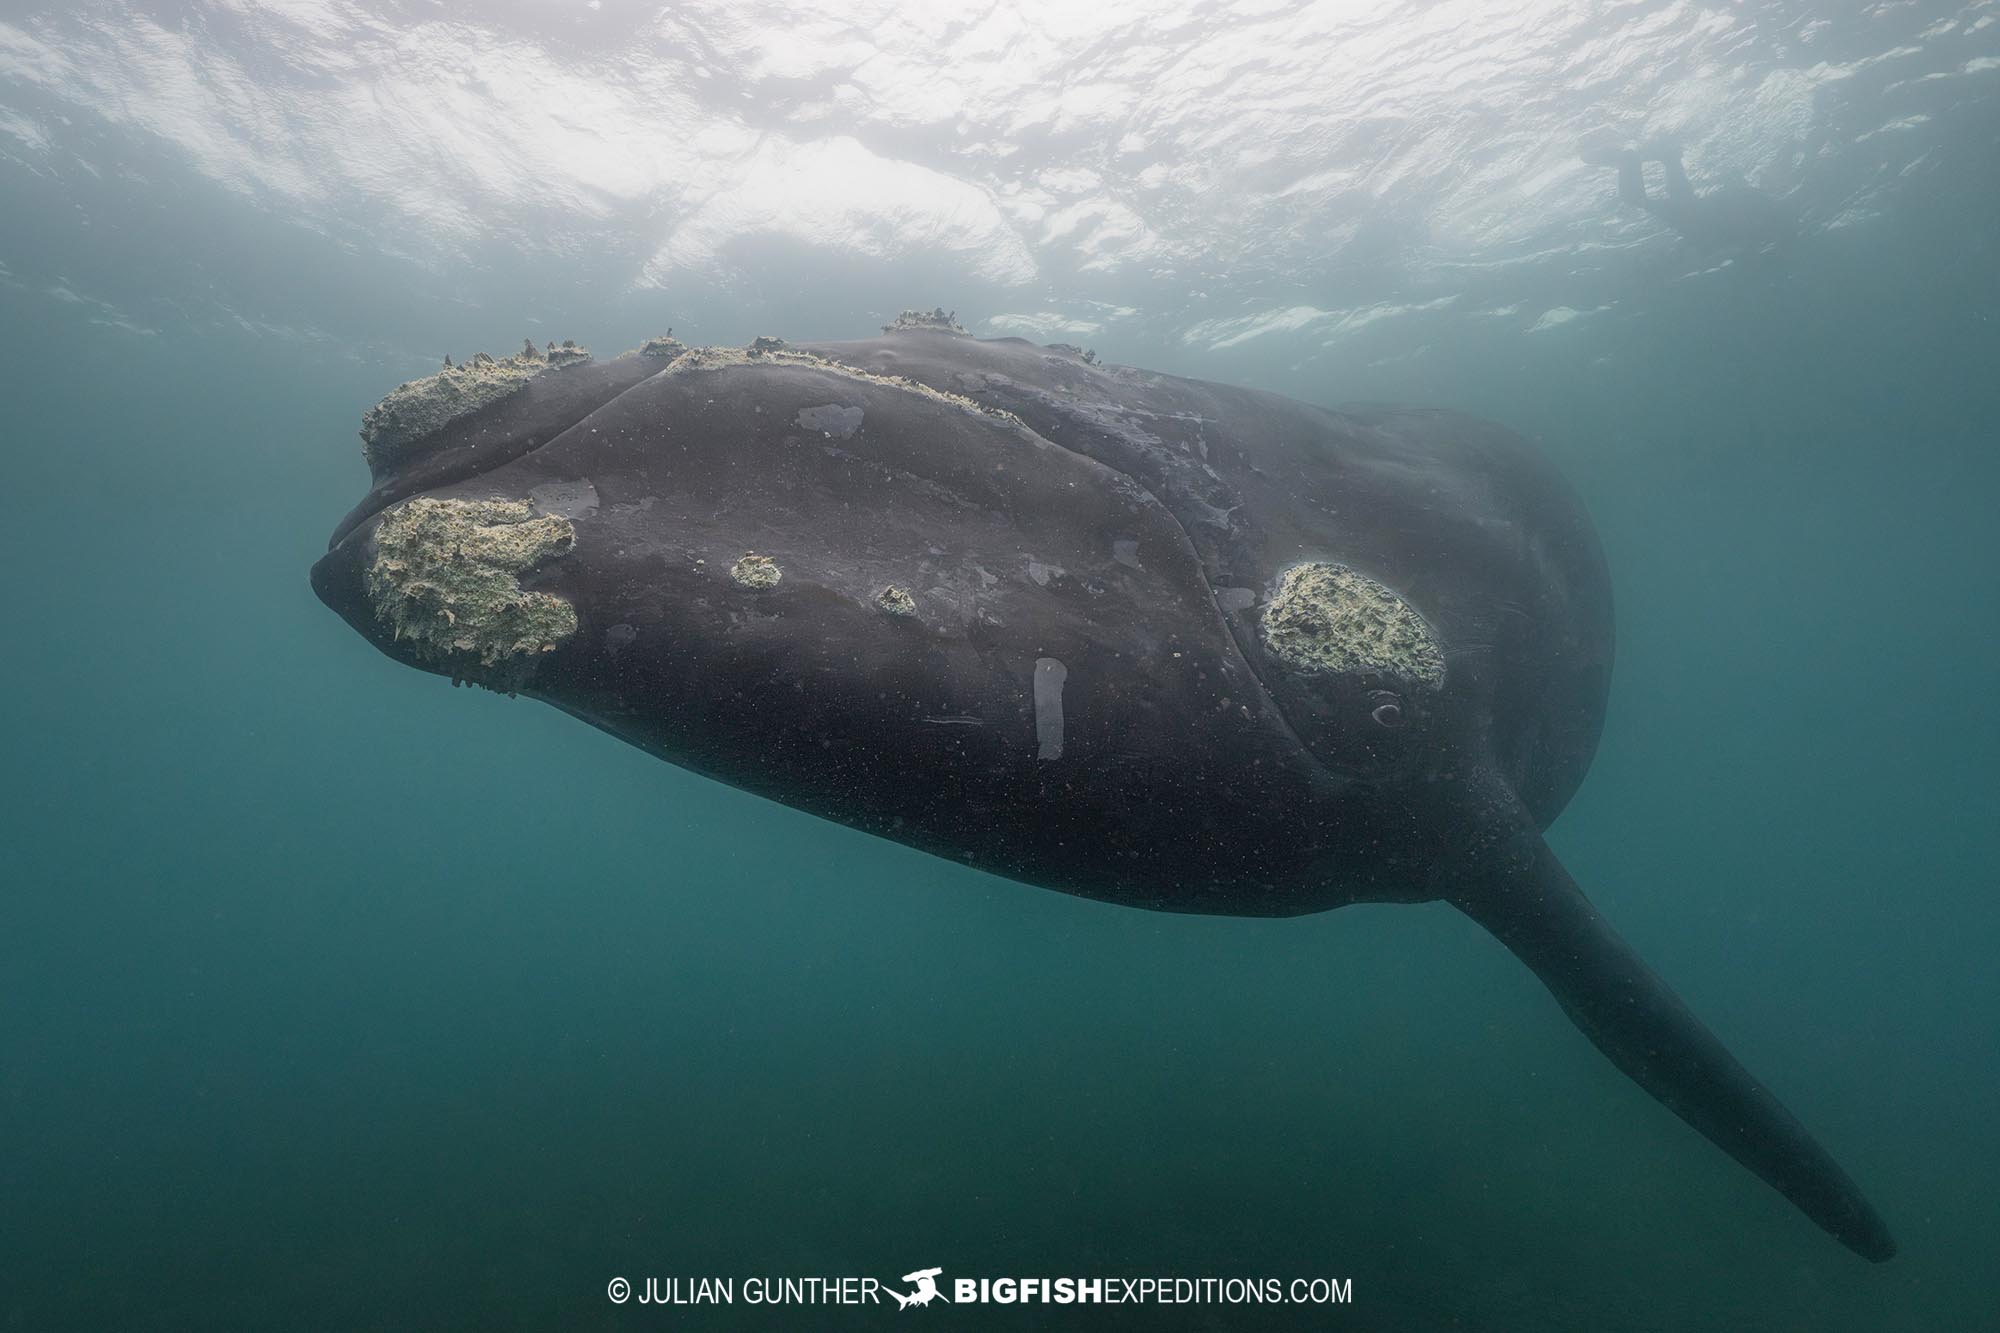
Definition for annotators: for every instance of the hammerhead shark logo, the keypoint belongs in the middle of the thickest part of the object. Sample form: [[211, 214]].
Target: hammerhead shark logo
[[926, 1289]]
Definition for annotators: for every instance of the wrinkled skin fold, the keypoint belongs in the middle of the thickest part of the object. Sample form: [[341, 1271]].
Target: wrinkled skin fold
[[1160, 642]]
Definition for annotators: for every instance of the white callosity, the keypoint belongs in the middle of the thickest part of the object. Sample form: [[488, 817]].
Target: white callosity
[[896, 600], [756, 571], [1327, 617], [446, 580], [411, 412]]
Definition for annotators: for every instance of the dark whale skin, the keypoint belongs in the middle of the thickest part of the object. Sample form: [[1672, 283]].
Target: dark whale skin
[[1080, 686]]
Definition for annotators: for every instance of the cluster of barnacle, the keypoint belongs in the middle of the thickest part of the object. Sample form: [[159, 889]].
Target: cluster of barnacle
[[939, 318], [761, 573], [413, 411], [566, 354], [666, 346], [446, 580], [1086, 355], [1327, 617]]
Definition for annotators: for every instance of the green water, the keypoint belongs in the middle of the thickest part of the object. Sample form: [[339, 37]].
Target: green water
[[337, 998], [331, 997]]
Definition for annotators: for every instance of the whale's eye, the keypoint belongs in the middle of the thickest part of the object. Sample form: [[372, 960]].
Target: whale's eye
[[1388, 709]]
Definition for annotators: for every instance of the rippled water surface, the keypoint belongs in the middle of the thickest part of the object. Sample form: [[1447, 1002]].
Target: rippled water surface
[[331, 997]]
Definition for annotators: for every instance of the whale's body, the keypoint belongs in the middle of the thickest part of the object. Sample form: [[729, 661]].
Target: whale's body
[[1156, 641]]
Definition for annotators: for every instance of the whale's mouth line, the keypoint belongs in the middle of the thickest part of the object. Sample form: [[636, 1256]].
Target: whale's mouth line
[[448, 468], [469, 446]]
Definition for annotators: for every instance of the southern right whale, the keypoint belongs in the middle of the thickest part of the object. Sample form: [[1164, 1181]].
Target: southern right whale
[[1152, 640]]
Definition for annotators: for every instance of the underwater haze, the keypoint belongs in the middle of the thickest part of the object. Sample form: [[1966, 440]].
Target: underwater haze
[[332, 997]]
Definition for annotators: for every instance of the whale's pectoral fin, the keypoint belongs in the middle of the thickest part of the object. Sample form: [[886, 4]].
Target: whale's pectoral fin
[[1522, 894]]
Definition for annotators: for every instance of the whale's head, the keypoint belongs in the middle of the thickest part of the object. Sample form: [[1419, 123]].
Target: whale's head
[[879, 601]]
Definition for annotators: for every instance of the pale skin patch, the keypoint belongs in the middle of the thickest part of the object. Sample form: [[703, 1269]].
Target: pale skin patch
[[1327, 617]]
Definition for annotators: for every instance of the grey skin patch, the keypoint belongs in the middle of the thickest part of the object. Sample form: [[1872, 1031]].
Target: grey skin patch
[[1049, 677], [1235, 599], [834, 420], [896, 601], [619, 637], [1327, 617], [1126, 553], [446, 580], [1042, 573], [756, 571], [566, 499]]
